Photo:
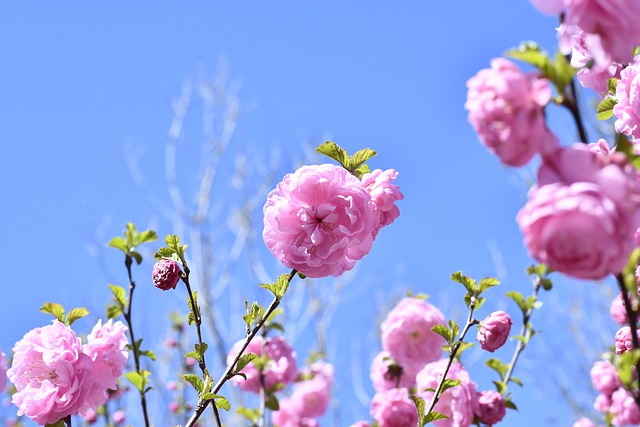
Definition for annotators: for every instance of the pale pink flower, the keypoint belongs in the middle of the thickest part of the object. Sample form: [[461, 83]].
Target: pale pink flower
[[51, 374], [280, 369], [166, 274], [506, 110], [611, 25], [491, 408], [494, 331], [458, 402], [119, 416], [384, 196], [319, 220], [394, 408], [624, 408], [90, 416], [3, 371], [583, 422], [386, 373], [287, 416], [617, 310], [593, 73], [604, 377], [172, 385], [174, 407], [360, 424], [624, 342], [106, 346], [602, 403], [548, 7], [627, 109], [582, 217], [310, 398], [407, 334], [319, 369]]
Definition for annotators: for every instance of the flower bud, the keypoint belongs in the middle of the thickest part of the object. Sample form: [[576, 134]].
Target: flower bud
[[491, 408], [494, 331], [624, 342], [166, 274]]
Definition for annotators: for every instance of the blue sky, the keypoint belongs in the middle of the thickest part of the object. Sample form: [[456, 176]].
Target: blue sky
[[81, 82]]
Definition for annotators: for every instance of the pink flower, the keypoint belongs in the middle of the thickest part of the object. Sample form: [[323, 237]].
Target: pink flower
[[386, 373], [319, 220], [280, 369], [287, 416], [90, 416], [611, 25], [582, 217], [3, 371], [119, 416], [384, 196], [506, 110], [407, 334], [166, 274], [627, 110], [624, 408], [602, 403], [491, 408], [310, 398], [604, 377], [394, 408], [319, 369], [106, 346], [51, 374], [458, 402], [494, 331], [624, 342], [174, 407], [617, 310], [583, 422], [548, 7], [360, 424]]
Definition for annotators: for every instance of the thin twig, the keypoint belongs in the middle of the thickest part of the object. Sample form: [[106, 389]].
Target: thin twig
[[632, 316]]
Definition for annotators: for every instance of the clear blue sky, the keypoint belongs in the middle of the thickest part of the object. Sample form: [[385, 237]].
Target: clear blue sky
[[78, 81]]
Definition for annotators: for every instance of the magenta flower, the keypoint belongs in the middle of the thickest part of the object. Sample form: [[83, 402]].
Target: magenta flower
[[506, 110], [166, 274], [494, 331], [106, 346], [287, 416], [627, 110], [617, 310], [491, 408], [582, 218], [394, 408], [407, 334], [384, 196], [386, 373], [280, 369], [51, 374], [624, 342], [604, 377], [458, 402], [319, 220]]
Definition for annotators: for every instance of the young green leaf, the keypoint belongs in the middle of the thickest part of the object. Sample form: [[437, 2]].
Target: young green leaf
[[449, 383], [361, 156], [518, 299], [467, 282], [195, 381], [272, 402], [244, 360], [119, 294], [420, 408], [486, 283], [118, 243], [75, 314], [443, 331], [335, 152], [605, 108], [54, 309]]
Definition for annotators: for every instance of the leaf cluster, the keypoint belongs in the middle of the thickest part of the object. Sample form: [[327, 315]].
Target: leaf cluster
[[132, 239], [57, 311], [203, 388], [355, 164], [557, 70], [174, 250], [473, 299]]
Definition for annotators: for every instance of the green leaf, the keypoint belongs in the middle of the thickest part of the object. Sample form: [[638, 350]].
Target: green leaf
[[194, 355], [272, 402], [486, 283], [501, 387], [279, 287], [118, 243], [434, 416], [222, 403], [420, 408], [558, 70], [518, 299], [54, 309], [455, 330], [335, 152], [462, 347], [138, 379], [361, 156], [517, 381], [509, 404], [195, 381], [449, 383], [167, 253], [58, 424], [136, 255], [530, 53], [605, 108], [443, 331], [624, 146], [119, 294], [250, 414], [479, 302], [361, 170], [113, 311], [497, 366], [467, 282], [612, 84], [244, 360], [75, 314], [144, 237], [148, 353]]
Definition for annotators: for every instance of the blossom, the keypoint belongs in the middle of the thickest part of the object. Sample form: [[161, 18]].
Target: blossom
[[582, 217], [106, 346], [280, 369], [394, 408], [610, 25], [407, 334], [119, 416], [319, 220], [384, 196], [386, 373], [604, 377], [548, 7], [51, 374], [3, 371], [624, 408], [617, 310], [458, 402], [627, 109], [360, 424], [166, 274], [494, 331], [491, 408], [583, 422], [506, 110], [287, 416], [624, 342]]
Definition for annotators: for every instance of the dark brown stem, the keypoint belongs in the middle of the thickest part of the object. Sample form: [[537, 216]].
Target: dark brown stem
[[128, 260], [227, 375], [570, 101], [632, 316]]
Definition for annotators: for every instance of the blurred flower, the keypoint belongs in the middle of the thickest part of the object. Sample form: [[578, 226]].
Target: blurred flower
[[604, 377], [491, 408], [494, 331], [384, 196], [394, 408]]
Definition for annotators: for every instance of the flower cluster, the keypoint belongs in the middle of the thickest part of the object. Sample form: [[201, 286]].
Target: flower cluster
[[506, 110], [321, 219], [55, 375], [613, 398], [582, 217]]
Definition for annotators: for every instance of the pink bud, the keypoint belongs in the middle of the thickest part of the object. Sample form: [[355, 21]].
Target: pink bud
[[166, 274], [494, 331], [624, 342], [491, 408], [174, 407], [119, 416]]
